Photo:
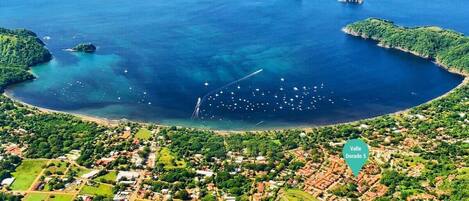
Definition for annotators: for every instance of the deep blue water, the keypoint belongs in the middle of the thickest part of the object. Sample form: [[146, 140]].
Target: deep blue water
[[156, 58]]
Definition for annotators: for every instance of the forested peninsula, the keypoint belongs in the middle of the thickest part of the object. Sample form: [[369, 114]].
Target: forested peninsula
[[421, 153], [19, 50], [448, 48]]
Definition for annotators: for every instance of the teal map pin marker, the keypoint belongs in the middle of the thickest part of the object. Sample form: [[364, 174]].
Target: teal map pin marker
[[355, 153]]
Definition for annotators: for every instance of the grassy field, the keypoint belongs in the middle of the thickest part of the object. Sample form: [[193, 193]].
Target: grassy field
[[48, 197], [36, 197], [412, 161], [143, 134], [26, 173], [110, 176], [100, 189], [80, 170], [168, 159], [463, 173], [57, 166], [296, 195], [61, 198]]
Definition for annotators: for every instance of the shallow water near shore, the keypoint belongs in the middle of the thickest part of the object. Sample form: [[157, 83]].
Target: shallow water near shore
[[155, 59]]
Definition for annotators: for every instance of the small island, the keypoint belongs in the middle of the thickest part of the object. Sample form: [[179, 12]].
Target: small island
[[84, 47], [418, 153]]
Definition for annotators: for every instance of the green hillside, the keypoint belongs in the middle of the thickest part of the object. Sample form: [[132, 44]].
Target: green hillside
[[19, 49], [447, 47]]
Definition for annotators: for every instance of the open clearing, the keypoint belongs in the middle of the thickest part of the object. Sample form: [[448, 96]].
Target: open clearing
[[167, 158], [57, 167], [80, 170], [296, 195], [26, 173], [47, 197], [109, 177], [99, 189], [61, 198], [36, 197], [143, 134]]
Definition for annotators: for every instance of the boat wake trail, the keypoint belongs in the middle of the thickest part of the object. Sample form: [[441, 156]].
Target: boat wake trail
[[195, 114]]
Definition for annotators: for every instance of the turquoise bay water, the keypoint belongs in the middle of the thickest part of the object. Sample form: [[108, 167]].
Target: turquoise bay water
[[156, 58]]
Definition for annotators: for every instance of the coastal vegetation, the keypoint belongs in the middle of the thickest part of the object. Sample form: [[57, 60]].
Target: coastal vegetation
[[54, 134], [431, 138], [448, 48], [19, 50], [442, 117]]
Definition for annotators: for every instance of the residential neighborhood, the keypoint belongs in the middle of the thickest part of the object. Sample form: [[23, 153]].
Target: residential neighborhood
[[145, 164]]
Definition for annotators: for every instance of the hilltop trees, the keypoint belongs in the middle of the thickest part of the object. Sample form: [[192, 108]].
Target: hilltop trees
[[19, 49], [448, 47]]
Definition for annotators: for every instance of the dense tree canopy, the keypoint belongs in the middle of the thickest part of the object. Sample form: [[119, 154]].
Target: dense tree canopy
[[50, 135], [9, 197], [19, 49], [448, 47], [85, 47]]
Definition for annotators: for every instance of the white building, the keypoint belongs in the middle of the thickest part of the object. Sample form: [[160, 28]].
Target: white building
[[122, 196], [130, 176], [165, 191], [239, 159], [229, 198], [90, 174], [128, 183], [62, 158], [137, 160], [7, 181], [260, 158], [204, 173]]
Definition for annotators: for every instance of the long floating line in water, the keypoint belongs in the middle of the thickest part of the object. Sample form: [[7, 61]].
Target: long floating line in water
[[259, 123], [195, 114]]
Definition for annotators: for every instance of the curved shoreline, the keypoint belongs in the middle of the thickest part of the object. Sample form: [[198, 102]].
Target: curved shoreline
[[115, 122], [464, 74], [98, 120], [438, 63]]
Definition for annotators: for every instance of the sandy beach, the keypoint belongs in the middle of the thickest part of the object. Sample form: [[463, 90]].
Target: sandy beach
[[112, 123], [98, 120], [115, 122]]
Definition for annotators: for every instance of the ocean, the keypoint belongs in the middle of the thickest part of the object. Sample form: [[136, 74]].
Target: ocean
[[236, 65]]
